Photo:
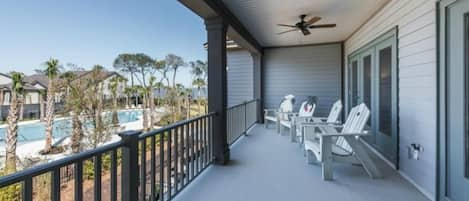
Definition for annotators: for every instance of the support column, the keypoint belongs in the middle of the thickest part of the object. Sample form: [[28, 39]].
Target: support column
[[217, 86], [257, 84]]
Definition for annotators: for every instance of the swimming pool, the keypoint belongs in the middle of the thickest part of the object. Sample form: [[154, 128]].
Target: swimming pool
[[62, 127]]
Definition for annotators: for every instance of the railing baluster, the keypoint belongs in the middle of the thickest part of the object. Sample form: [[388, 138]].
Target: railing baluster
[[198, 146], [78, 180], [183, 155], [28, 189], [114, 175], [152, 168], [176, 159], [169, 164], [193, 149], [203, 143], [187, 162], [55, 185], [97, 177], [143, 164], [161, 155]]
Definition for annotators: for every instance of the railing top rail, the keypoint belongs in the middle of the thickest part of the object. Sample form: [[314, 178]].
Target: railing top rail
[[241, 104], [172, 126], [47, 167]]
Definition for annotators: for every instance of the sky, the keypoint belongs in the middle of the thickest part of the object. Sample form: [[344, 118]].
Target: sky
[[89, 32]]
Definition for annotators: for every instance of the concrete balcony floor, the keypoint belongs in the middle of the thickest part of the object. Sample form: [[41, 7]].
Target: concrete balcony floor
[[266, 166]]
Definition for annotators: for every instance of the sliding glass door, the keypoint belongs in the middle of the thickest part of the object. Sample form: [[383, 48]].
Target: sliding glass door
[[373, 73]]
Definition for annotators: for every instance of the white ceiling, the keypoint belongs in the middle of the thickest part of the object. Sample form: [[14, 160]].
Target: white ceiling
[[261, 16]]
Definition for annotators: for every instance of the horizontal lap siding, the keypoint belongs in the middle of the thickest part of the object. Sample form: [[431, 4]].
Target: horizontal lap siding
[[240, 77], [417, 80], [303, 71]]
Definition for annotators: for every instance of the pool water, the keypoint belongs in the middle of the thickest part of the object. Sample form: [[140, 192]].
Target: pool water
[[62, 127]]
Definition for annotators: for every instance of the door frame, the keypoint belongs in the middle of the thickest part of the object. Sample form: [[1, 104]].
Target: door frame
[[442, 149], [370, 46]]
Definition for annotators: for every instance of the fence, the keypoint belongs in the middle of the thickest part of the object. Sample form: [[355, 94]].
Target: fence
[[240, 118], [167, 160]]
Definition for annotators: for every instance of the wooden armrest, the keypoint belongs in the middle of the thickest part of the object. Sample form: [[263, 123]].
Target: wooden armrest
[[342, 134], [320, 124], [270, 110]]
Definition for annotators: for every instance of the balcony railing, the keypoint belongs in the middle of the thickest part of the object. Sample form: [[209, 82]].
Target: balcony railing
[[240, 118], [153, 166]]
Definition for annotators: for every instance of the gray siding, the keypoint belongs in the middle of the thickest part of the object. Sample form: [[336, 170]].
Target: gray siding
[[415, 20], [303, 71], [240, 77]]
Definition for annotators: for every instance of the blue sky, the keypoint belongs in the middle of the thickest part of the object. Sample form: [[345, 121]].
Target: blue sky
[[89, 32]]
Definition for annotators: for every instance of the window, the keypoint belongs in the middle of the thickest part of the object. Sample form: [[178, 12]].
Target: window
[[385, 90]]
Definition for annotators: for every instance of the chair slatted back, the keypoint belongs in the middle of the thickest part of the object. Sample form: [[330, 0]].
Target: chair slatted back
[[355, 123], [306, 110], [335, 112]]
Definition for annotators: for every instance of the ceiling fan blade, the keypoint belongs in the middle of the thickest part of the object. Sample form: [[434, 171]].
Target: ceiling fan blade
[[287, 31], [286, 25], [313, 20], [322, 26], [305, 32]]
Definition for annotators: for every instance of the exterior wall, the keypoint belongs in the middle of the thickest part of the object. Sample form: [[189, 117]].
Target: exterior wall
[[240, 77], [303, 71], [415, 20]]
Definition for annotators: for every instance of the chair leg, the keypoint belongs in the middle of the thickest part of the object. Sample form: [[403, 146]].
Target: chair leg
[[293, 133], [310, 157], [362, 155], [326, 158]]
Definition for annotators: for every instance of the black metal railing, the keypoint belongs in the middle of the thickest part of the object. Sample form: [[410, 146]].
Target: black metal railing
[[155, 165], [240, 118]]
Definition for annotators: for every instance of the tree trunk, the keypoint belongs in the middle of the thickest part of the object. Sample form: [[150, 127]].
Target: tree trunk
[[115, 116], [21, 112], [12, 134], [152, 109], [145, 114], [49, 116], [41, 108], [77, 133]]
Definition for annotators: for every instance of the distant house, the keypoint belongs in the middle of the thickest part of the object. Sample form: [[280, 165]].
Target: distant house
[[36, 83]]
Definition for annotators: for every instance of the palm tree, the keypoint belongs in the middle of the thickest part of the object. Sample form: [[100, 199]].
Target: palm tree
[[151, 100], [74, 103], [159, 86], [52, 70], [42, 94], [199, 83], [113, 87], [17, 91]]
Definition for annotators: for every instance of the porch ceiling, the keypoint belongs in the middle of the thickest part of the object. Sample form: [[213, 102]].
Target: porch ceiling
[[261, 17]]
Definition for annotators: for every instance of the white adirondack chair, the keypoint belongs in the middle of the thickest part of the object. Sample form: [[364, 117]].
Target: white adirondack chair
[[332, 119], [273, 115], [305, 114], [347, 148]]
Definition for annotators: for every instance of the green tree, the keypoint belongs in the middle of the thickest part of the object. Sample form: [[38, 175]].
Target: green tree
[[174, 62], [113, 86], [17, 92], [51, 70], [128, 64], [74, 102]]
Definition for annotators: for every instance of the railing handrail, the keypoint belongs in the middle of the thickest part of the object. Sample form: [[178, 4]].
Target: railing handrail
[[172, 126], [50, 166], [241, 104], [69, 160]]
